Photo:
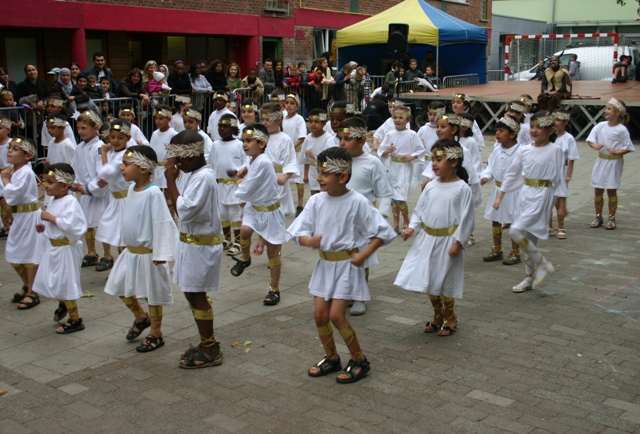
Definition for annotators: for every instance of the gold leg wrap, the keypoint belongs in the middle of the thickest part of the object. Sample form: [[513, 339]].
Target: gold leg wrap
[[349, 335], [404, 207], [208, 342], [225, 223], [169, 202], [300, 187], [90, 234], [325, 333], [202, 315], [436, 302], [155, 316], [18, 267], [236, 225], [523, 243], [133, 305], [274, 262], [598, 201], [72, 308], [27, 266], [613, 206], [245, 243], [496, 230]]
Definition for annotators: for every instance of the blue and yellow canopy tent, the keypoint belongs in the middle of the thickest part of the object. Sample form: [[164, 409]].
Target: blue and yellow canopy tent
[[459, 47]]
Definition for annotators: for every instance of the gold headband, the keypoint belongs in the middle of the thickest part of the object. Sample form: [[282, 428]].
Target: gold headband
[[193, 114], [451, 119], [55, 102], [185, 151], [561, 116], [258, 135], [450, 153], [354, 132], [468, 123], [183, 99], [231, 122], [93, 116], [63, 177], [510, 123], [322, 117], [543, 121], [5, 123], [141, 161], [617, 104], [57, 122], [25, 145], [254, 107], [221, 96], [295, 97], [165, 113], [126, 110], [461, 96], [273, 116], [525, 100], [516, 107], [124, 129], [336, 165], [338, 110]]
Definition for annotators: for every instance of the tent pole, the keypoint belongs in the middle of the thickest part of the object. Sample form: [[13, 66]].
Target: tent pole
[[438, 61]]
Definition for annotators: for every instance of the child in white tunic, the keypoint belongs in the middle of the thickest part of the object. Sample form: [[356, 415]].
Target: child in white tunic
[[444, 213], [63, 224], [150, 236], [314, 144], [399, 148], [535, 171], [428, 135], [338, 222], [388, 125], [181, 103], [248, 113], [294, 126], [191, 119], [199, 252], [263, 212], [517, 110], [54, 105], [161, 137], [282, 154], [460, 104], [60, 149], [611, 139], [109, 174], [220, 101], [499, 161], [127, 113], [570, 153], [5, 130], [20, 188]]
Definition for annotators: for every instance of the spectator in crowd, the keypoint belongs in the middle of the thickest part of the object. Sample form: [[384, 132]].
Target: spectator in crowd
[[393, 75], [200, 85], [32, 85], [620, 70], [100, 69], [252, 81], [266, 74], [341, 78], [413, 71], [234, 78], [132, 87], [574, 68], [556, 86], [278, 74], [538, 72], [179, 81], [8, 84], [216, 77], [75, 70]]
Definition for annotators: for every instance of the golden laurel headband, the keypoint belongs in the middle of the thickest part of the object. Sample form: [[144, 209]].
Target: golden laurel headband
[[5, 123], [221, 96], [64, 177], [354, 132], [141, 161], [165, 113], [275, 98], [55, 102], [295, 97], [95, 118], [510, 123], [185, 151], [516, 107], [273, 116], [193, 114], [449, 153], [461, 96], [124, 129], [396, 104], [183, 99], [352, 110], [544, 121], [56, 122], [617, 104], [336, 165], [322, 117], [525, 100], [253, 107], [451, 118], [126, 110], [25, 145], [258, 135], [231, 122], [466, 122], [438, 112], [561, 116]]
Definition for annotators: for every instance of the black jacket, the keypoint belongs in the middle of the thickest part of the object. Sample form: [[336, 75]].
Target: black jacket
[[179, 84], [26, 88]]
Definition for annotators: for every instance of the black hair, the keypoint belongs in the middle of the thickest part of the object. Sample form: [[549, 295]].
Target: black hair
[[268, 59], [354, 122], [272, 107], [228, 116], [187, 136], [500, 124], [277, 92], [469, 132], [126, 105], [333, 153], [148, 151], [98, 54], [316, 111], [81, 75], [177, 105], [104, 78], [193, 70], [434, 105], [189, 110], [62, 167], [260, 128], [301, 63], [543, 113], [120, 123], [440, 144], [521, 118], [465, 100]]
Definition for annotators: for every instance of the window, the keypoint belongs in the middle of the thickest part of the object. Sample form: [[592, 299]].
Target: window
[[193, 49], [322, 39], [483, 11]]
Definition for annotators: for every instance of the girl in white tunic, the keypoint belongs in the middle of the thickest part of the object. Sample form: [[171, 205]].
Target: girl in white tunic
[[60, 148], [314, 143], [294, 126], [337, 222], [20, 189], [388, 125], [263, 212], [63, 224], [137, 137], [461, 104], [569, 154], [150, 236], [517, 110], [444, 214], [428, 135], [161, 137], [199, 252], [109, 174], [611, 139], [535, 171], [499, 161]]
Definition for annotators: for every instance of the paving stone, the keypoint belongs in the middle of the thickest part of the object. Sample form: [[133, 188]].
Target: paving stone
[[73, 388], [84, 410]]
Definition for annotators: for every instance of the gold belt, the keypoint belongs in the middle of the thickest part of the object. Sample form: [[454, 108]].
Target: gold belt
[[31, 207], [59, 242], [120, 194], [609, 156], [398, 160], [227, 180], [139, 250], [338, 256], [374, 202], [201, 240], [537, 182], [278, 169], [162, 163], [269, 208], [427, 158], [439, 232], [498, 183]]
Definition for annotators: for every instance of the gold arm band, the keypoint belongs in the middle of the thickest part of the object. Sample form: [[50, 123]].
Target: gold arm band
[[398, 160], [227, 180], [609, 156], [31, 207], [439, 232], [269, 208], [343, 255], [201, 240], [498, 183], [537, 182], [120, 194], [139, 250], [60, 242], [278, 169]]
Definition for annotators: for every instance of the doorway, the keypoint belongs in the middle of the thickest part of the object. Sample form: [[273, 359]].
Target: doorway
[[271, 48]]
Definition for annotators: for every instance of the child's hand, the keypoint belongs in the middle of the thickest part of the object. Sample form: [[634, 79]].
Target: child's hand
[[306, 180], [105, 148], [80, 189], [455, 250], [6, 174], [406, 233], [357, 259], [242, 172], [483, 181], [389, 150], [568, 178], [102, 183], [159, 262], [40, 228], [45, 163], [598, 146], [47, 217], [314, 241], [496, 204], [310, 154], [170, 170], [282, 179], [232, 173], [407, 158], [612, 151], [141, 143]]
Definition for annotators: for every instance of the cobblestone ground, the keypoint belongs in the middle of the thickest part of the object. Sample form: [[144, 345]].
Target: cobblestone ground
[[560, 359]]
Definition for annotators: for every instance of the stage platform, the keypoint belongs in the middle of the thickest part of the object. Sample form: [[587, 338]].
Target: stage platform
[[586, 105]]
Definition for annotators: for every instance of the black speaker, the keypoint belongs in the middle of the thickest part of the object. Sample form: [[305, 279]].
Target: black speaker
[[398, 39]]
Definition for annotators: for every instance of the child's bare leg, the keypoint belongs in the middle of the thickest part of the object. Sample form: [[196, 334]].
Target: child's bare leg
[[450, 317], [245, 246], [107, 251], [561, 210], [203, 315], [613, 207], [395, 212], [438, 314], [331, 362], [404, 209], [7, 216], [75, 322], [90, 236], [496, 251], [275, 267], [598, 202], [30, 271], [226, 230], [358, 365], [141, 320], [154, 339]]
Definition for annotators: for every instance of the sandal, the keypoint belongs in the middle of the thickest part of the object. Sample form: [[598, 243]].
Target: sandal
[[552, 232], [611, 224], [431, 327], [199, 354], [561, 235], [364, 367], [272, 298], [471, 241], [4, 233], [137, 328], [34, 301], [90, 260], [151, 343], [104, 264], [238, 269], [326, 366], [71, 326], [448, 330], [597, 222], [60, 312], [234, 249], [17, 297]]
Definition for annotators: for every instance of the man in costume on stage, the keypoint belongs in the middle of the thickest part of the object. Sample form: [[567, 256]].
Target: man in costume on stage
[[556, 86]]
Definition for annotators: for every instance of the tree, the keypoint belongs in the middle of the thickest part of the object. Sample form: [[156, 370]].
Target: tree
[[623, 3]]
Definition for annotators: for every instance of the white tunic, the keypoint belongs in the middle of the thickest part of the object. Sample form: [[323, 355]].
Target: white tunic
[[607, 173], [4, 148], [58, 275], [176, 122], [23, 241], [260, 188], [569, 153], [316, 145], [499, 161], [283, 155], [428, 268], [159, 139], [148, 224], [62, 152], [477, 135], [534, 203], [427, 134], [110, 226], [209, 153], [524, 136], [296, 128], [231, 158], [137, 138], [85, 163], [406, 142], [68, 131], [472, 162], [212, 125], [345, 222], [197, 267]]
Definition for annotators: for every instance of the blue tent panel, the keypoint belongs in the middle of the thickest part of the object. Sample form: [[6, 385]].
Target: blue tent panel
[[452, 30]]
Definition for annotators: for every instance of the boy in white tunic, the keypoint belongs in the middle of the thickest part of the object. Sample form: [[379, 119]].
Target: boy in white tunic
[[20, 189], [199, 252], [55, 105], [337, 222], [428, 135], [517, 110], [294, 126], [159, 138], [314, 143], [5, 130], [61, 148], [611, 139], [150, 236], [444, 213], [192, 119], [137, 137], [63, 224], [220, 101]]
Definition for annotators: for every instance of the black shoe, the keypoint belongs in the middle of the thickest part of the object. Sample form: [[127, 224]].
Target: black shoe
[[299, 210]]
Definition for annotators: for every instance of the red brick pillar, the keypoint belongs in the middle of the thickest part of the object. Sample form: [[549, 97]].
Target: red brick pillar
[[79, 47]]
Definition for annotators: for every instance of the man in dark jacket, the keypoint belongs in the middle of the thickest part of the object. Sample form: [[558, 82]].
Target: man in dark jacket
[[100, 69], [178, 80]]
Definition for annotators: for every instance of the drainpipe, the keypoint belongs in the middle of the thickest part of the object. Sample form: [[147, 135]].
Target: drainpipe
[[553, 15]]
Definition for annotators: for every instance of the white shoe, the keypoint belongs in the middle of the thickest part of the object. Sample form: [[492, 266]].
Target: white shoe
[[358, 308], [523, 286], [544, 270], [234, 249]]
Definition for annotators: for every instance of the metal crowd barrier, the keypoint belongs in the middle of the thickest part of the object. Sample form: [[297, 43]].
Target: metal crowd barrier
[[27, 123], [460, 80]]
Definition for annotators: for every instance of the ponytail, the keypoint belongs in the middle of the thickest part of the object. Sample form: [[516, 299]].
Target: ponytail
[[462, 173]]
